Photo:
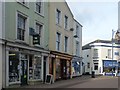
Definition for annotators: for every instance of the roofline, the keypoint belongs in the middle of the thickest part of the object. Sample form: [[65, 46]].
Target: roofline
[[69, 8], [78, 22]]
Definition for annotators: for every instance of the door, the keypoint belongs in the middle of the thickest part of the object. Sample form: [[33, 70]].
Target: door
[[24, 71], [44, 69], [63, 69]]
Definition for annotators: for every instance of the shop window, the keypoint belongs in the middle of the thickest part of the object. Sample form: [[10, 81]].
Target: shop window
[[30, 67], [14, 67], [58, 69], [37, 68]]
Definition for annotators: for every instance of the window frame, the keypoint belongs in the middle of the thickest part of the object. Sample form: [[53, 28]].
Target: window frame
[[26, 25], [58, 42], [42, 8], [58, 17], [65, 22], [66, 44]]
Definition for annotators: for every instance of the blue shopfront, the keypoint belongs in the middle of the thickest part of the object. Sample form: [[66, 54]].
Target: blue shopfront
[[110, 67]]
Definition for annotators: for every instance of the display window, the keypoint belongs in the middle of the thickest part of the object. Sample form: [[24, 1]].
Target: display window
[[37, 67], [109, 65], [58, 69], [76, 67], [14, 67]]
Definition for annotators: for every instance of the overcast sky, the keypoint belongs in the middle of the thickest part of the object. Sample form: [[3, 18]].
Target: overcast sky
[[98, 18]]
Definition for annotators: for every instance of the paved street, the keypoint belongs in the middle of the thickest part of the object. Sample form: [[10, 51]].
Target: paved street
[[80, 82]]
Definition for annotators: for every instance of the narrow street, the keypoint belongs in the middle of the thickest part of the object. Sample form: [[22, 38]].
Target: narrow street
[[79, 82]]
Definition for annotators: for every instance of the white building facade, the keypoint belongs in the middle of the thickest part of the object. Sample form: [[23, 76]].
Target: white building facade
[[98, 57], [77, 47]]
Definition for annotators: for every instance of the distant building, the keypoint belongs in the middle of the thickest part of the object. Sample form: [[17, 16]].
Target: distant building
[[97, 56]]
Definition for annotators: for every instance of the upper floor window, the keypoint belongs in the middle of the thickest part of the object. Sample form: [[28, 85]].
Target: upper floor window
[[95, 53], [39, 6], [77, 48], [65, 22], [38, 30], [109, 53], [77, 30], [58, 41], [58, 16], [21, 27], [66, 44]]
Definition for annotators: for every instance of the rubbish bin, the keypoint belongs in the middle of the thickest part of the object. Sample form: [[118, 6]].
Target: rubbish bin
[[93, 74]]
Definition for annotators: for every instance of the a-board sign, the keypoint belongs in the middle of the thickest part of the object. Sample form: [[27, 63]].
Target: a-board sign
[[49, 78]]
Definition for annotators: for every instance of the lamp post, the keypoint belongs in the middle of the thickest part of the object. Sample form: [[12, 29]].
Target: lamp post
[[112, 49], [117, 37]]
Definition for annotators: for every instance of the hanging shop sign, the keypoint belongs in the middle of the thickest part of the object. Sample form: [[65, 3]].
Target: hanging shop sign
[[36, 39]]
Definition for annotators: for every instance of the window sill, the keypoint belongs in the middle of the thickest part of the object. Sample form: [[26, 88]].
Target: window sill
[[36, 45], [25, 5], [42, 15], [20, 41]]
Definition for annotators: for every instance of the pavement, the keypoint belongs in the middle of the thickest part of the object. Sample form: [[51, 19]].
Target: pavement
[[70, 83]]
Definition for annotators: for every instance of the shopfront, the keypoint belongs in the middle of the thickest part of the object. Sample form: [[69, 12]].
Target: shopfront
[[110, 66], [60, 65], [76, 66], [25, 66]]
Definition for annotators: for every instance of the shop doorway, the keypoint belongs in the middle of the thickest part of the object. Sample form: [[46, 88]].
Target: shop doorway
[[63, 64], [24, 71]]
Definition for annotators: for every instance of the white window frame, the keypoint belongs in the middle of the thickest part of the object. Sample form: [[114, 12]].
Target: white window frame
[[66, 47], [66, 23], [77, 30], [26, 25], [58, 41], [77, 48], [42, 30], [42, 10], [109, 53], [60, 17]]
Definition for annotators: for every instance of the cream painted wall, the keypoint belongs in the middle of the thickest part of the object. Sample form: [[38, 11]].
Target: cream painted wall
[[53, 27]]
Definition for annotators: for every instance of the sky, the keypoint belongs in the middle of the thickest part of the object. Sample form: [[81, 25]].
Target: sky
[[98, 18]]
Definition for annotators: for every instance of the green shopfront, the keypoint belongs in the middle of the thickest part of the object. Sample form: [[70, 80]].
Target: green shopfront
[[25, 66]]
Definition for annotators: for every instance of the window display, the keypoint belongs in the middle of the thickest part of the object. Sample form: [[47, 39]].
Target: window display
[[76, 67], [14, 67], [58, 69], [37, 68]]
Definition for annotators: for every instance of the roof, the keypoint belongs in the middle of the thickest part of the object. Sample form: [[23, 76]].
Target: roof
[[87, 46]]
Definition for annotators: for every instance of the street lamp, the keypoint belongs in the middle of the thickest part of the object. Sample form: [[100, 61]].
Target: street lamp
[[117, 37]]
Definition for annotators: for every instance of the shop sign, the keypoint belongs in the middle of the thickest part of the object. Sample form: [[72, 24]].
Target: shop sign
[[36, 39], [110, 63]]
